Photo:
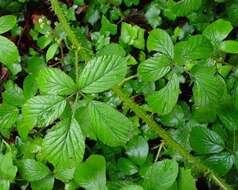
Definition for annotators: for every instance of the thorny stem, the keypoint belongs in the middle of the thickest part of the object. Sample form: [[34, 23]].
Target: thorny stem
[[140, 113]]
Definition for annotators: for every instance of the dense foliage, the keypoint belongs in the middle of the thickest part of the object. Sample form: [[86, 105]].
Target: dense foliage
[[118, 94]]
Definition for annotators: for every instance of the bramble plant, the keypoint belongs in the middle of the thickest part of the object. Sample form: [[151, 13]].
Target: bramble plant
[[128, 95]]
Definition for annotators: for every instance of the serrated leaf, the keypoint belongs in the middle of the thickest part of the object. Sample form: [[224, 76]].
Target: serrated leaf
[[205, 141], [185, 7], [164, 100], [8, 116], [218, 31], [54, 81], [101, 73], [43, 110], [186, 180], [221, 163], [32, 170], [159, 40], [63, 145], [9, 54], [154, 68], [51, 51], [195, 48], [161, 175], [137, 150], [7, 22], [229, 46], [91, 174], [7, 169], [111, 127]]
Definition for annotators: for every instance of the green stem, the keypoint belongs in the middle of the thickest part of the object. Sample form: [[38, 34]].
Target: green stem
[[140, 113]]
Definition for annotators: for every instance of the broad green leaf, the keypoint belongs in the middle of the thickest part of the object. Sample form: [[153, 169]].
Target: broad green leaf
[[111, 127], [8, 52], [64, 174], [154, 68], [13, 94], [159, 40], [161, 175], [164, 100], [206, 141], [8, 116], [132, 35], [54, 81], [221, 163], [32, 170], [43, 110], [7, 169], [91, 174], [63, 145], [229, 46], [131, 187], [112, 49], [126, 167], [196, 47], [186, 180], [207, 91], [137, 150], [186, 7], [101, 73], [4, 184], [152, 15], [218, 31], [107, 26], [30, 87], [228, 115], [46, 183], [51, 51], [7, 22]]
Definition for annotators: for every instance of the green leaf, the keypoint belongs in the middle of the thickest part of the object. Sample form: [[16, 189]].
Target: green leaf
[[159, 40], [13, 94], [154, 68], [7, 22], [46, 183], [207, 91], [63, 145], [111, 127], [8, 52], [107, 26], [51, 51], [7, 169], [164, 100], [152, 15], [126, 167], [228, 115], [221, 163], [32, 170], [30, 87], [64, 174], [206, 141], [137, 150], [8, 116], [101, 73], [112, 49], [161, 175], [129, 3], [196, 47], [132, 35], [91, 174], [229, 46], [131, 187], [186, 180], [4, 184], [218, 31], [54, 81], [43, 110], [186, 7]]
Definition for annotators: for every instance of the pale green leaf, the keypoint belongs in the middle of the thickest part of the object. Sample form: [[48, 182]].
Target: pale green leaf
[[91, 174], [7, 22], [229, 46], [51, 51], [154, 68], [111, 126], [186, 7], [46, 183], [101, 73], [54, 81], [7, 169], [43, 110], [186, 180], [63, 145]]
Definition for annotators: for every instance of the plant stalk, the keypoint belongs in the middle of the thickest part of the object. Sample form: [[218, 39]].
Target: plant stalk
[[140, 113]]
